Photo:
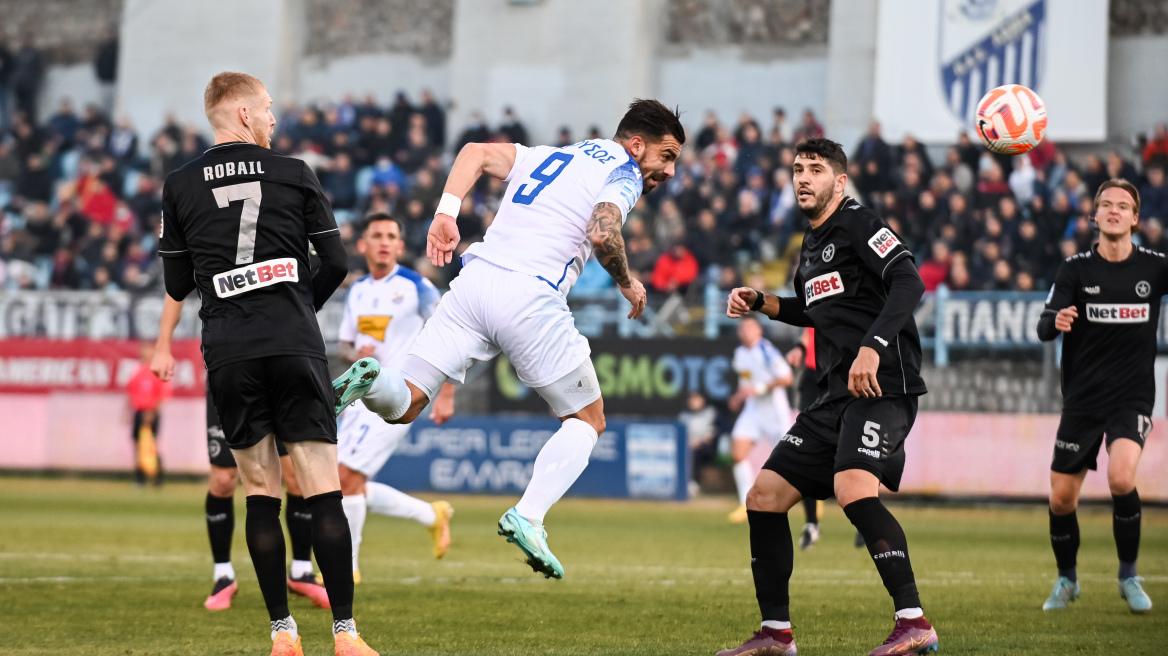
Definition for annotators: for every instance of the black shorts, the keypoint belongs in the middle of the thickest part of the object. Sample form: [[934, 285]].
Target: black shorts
[[217, 450], [1080, 434], [288, 395], [844, 434]]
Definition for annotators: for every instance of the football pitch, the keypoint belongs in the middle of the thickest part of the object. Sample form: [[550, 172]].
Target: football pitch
[[100, 567]]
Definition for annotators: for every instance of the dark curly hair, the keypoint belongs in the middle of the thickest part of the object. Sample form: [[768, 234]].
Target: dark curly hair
[[826, 150], [650, 120]]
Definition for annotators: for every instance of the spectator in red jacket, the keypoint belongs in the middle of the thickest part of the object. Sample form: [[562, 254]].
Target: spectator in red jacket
[[1157, 148], [935, 270], [146, 393], [676, 268]]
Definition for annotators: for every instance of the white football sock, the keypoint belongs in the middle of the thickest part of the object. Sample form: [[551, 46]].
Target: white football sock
[[776, 625], [909, 613], [354, 506], [559, 463], [744, 479], [287, 624], [385, 500], [348, 626], [224, 571], [301, 568], [389, 396]]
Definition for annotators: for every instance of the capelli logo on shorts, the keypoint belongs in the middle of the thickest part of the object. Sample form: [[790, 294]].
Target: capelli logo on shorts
[[255, 276], [795, 440], [579, 388], [1066, 446]]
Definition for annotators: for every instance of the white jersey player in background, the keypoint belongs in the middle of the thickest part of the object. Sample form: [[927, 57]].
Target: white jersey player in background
[[763, 379], [384, 312], [562, 205]]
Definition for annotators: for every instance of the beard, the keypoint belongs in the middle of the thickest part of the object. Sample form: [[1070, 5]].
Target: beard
[[822, 200], [263, 136]]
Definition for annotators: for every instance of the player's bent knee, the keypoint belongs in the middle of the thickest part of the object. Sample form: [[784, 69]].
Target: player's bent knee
[[1121, 483], [771, 493], [352, 482], [1063, 502], [222, 481]]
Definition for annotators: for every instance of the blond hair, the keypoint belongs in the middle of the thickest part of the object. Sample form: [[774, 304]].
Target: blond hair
[[228, 85]]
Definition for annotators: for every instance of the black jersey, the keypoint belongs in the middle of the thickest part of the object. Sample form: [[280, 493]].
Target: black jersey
[[843, 286], [1109, 354], [244, 215]]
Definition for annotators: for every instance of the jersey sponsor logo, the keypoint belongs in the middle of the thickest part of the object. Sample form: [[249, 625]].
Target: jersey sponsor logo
[[1117, 312], [1066, 446], [232, 168], [1092, 290], [254, 276], [883, 242], [374, 326], [828, 252], [793, 439], [1143, 288], [820, 287]]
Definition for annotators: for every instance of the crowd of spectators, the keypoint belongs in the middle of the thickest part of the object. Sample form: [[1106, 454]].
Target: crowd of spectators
[[80, 196]]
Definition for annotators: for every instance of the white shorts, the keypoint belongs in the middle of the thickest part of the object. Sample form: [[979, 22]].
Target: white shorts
[[490, 310], [365, 441], [761, 421]]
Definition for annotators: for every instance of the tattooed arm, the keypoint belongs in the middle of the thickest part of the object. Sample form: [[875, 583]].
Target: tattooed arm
[[604, 231]]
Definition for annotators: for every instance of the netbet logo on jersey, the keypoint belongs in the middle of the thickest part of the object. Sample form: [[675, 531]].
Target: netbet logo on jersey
[[1117, 312], [255, 276], [884, 241], [820, 287]]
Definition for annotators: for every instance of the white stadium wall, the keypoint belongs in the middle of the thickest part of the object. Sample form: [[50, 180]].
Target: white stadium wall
[[1137, 84]]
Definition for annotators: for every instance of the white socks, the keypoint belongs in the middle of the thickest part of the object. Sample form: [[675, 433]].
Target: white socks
[[224, 571], [385, 500], [776, 625], [301, 568], [348, 626], [389, 396], [744, 479], [354, 506], [287, 625], [559, 463], [909, 613]]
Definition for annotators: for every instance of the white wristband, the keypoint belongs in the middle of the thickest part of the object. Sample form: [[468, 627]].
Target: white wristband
[[450, 205]]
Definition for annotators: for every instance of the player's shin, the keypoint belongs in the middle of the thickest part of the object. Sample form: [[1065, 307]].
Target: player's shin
[[889, 549], [354, 505], [1125, 523], [559, 463], [299, 521], [772, 558], [385, 500], [220, 527], [389, 396], [265, 544], [1064, 539], [333, 545]]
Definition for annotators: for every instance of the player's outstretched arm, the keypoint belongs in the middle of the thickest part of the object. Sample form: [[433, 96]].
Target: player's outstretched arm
[[162, 364], [1060, 312], [608, 244], [788, 309]]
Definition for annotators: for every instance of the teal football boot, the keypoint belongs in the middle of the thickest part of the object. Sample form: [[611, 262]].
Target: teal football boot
[[1137, 600], [354, 383], [531, 538], [1064, 592]]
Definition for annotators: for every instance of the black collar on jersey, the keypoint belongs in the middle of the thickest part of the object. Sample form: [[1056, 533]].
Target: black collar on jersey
[[1130, 256], [847, 203], [226, 144]]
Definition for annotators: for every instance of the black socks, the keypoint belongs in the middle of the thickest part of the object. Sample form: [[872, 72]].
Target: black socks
[[1064, 539], [265, 543], [299, 521], [772, 557], [1125, 524], [220, 526], [811, 508], [334, 551], [889, 548]]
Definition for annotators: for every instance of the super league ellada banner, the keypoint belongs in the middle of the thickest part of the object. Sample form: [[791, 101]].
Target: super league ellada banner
[[489, 455], [638, 377]]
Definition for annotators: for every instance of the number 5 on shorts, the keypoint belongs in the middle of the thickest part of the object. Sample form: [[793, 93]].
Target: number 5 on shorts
[[871, 438], [251, 195]]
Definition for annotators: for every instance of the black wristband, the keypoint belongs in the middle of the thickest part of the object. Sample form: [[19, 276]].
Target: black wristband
[[759, 299]]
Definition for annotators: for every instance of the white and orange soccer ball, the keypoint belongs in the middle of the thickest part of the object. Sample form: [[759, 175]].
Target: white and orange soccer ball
[[1011, 119]]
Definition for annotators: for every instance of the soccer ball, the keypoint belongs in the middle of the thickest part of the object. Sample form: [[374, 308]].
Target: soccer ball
[[1011, 119]]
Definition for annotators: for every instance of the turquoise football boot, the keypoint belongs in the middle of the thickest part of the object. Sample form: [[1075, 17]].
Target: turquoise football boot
[[531, 538], [1137, 600], [354, 383], [1065, 591]]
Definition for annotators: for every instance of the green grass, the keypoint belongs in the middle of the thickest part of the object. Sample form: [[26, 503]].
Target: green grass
[[98, 567]]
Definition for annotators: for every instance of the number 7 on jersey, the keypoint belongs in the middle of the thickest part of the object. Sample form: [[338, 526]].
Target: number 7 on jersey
[[251, 195]]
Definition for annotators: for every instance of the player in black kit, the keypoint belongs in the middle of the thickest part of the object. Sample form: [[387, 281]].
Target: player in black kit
[[1106, 302], [857, 286], [236, 225]]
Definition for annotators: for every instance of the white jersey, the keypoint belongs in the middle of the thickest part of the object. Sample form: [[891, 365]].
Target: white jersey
[[760, 365], [540, 226], [388, 313]]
